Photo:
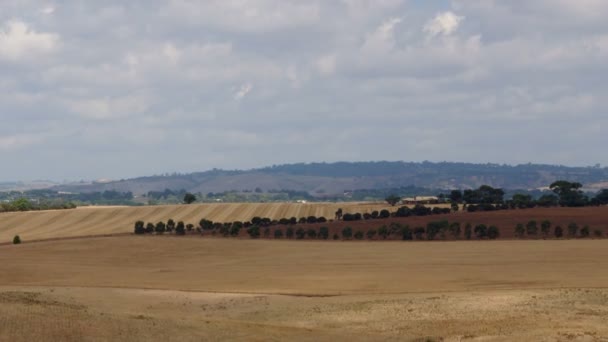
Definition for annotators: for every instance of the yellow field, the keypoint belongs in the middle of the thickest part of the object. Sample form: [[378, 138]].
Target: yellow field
[[190, 289], [110, 220]]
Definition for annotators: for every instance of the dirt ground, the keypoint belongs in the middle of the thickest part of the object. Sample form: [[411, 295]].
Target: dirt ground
[[186, 289]]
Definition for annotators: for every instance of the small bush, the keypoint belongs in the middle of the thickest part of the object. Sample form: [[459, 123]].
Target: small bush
[[585, 231], [323, 233], [311, 233], [371, 234], [278, 234], [347, 232], [336, 237], [359, 235], [558, 232], [300, 233], [16, 240], [139, 228], [598, 233], [493, 232], [572, 229], [289, 233]]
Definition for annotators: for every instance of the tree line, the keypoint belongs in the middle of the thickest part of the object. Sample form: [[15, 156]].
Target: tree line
[[434, 230], [544, 229]]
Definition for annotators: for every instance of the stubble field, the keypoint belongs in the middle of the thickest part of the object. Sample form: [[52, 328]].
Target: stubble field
[[170, 288]]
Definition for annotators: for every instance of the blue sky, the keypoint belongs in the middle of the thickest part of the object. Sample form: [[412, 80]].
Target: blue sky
[[112, 89]]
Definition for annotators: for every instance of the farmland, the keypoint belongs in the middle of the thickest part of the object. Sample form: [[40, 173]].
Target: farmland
[[156, 288], [139, 288], [86, 221]]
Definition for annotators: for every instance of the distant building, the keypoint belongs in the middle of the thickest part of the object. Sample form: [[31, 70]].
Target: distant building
[[421, 200]]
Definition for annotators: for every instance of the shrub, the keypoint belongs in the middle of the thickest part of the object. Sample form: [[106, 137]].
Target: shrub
[[150, 228], [520, 230], [419, 232], [139, 227], [206, 224], [468, 231], [585, 231], [558, 232], [311, 233], [385, 213], [300, 233], [531, 228], [302, 220], [359, 235], [406, 233], [347, 232], [311, 219], [336, 237], [375, 214], [455, 230], [598, 233], [481, 231], [180, 228], [545, 227], [383, 231], [493, 232], [160, 228], [170, 226], [254, 232], [235, 230], [16, 240], [403, 212], [572, 229], [189, 227], [278, 234], [289, 233], [371, 234], [323, 233]]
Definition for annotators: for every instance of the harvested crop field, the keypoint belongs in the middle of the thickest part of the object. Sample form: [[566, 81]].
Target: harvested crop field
[[170, 288], [89, 221], [86, 221]]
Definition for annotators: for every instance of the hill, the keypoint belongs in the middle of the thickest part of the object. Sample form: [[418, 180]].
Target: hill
[[326, 179]]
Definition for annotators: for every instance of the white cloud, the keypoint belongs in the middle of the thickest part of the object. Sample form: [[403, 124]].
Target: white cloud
[[444, 24], [326, 64], [48, 10], [243, 91], [18, 40]]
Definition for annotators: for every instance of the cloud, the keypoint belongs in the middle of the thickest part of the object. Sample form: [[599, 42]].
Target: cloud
[[323, 80], [444, 24], [18, 40], [243, 91]]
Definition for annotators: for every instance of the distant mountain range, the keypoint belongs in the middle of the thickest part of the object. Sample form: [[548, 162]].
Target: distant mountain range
[[324, 179]]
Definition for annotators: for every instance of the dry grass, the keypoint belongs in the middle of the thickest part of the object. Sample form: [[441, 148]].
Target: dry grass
[[169, 288], [110, 220]]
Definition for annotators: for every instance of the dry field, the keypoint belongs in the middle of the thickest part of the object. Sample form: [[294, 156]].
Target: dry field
[[191, 289], [111, 220]]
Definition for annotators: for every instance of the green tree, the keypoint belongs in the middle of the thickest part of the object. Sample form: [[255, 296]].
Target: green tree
[[150, 228], [254, 232], [531, 228], [312, 233], [392, 199], [481, 231], [289, 233], [160, 228], [572, 229], [468, 231], [170, 226], [180, 228], [455, 230], [520, 230], [569, 193], [323, 233], [545, 227], [371, 234], [278, 234], [139, 228], [347, 232], [189, 198], [558, 232], [585, 231], [300, 233], [16, 240], [493, 232]]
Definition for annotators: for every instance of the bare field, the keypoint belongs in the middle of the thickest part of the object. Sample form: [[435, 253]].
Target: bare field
[[170, 288], [111, 220]]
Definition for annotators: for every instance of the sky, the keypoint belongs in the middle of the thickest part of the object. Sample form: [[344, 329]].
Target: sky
[[117, 89]]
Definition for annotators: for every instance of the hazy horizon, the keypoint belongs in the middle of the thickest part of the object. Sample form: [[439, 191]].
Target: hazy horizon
[[112, 90]]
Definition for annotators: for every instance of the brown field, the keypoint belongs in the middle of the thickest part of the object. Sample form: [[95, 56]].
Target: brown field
[[183, 289], [86, 221], [164, 288]]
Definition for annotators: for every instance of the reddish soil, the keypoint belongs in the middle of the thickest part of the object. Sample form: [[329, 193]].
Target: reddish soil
[[506, 220]]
